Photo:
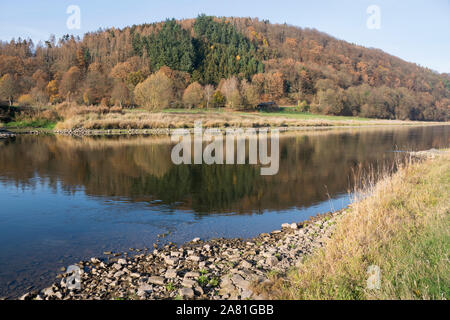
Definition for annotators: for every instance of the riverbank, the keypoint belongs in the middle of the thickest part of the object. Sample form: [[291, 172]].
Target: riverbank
[[5, 134], [139, 119], [86, 121], [400, 225], [169, 131]]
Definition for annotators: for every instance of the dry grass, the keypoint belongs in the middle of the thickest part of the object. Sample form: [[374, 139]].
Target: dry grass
[[84, 119], [68, 110], [34, 118], [70, 116], [400, 224]]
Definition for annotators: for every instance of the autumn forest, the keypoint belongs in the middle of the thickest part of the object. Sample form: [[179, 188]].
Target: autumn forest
[[211, 62]]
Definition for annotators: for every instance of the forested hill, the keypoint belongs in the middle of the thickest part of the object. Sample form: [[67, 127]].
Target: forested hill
[[215, 62]]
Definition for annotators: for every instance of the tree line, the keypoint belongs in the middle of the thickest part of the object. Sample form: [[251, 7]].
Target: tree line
[[211, 62]]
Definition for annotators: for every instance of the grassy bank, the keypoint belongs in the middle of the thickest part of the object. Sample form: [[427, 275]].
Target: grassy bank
[[35, 124], [401, 224], [65, 117], [287, 112], [141, 119]]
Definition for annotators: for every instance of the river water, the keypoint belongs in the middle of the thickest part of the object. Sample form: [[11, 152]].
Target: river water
[[66, 199]]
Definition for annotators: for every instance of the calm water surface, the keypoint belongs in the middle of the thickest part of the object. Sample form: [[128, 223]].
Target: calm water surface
[[65, 199]]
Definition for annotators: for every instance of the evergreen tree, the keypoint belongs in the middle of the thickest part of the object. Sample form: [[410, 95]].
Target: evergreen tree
[[171, 46]]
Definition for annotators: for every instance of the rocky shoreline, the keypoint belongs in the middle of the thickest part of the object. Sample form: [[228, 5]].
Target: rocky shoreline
[[161, 131], [5, 134], [427, 154], [81, 132], [219, 269]]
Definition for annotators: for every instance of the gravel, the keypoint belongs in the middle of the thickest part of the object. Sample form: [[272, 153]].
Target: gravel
[[218, 269]]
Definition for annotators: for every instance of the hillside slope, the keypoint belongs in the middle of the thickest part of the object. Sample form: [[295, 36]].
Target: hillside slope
[[213, 62]]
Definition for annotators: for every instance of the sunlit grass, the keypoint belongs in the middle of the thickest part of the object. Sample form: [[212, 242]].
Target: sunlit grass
[[307, 115], [284, 112], [37, 123], [402, 226]]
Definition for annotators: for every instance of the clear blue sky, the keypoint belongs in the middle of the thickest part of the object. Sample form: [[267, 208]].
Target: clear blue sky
[[414, 30]]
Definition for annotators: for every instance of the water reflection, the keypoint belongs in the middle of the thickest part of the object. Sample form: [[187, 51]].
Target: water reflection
[[312, 167]]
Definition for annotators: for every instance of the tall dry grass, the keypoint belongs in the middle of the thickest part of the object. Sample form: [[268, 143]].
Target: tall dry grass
[[31, 116], [400, 224], [150, 120]]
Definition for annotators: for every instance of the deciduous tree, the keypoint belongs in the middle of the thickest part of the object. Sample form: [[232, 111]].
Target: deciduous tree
[[208, 93], [250, 94], [120, 94], [8, 89], [155, 93], [70, 82], [218, 99], [193, 95], [53, 91], [230, 89]]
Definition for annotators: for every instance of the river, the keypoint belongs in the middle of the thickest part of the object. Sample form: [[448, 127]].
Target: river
[[65, 199]]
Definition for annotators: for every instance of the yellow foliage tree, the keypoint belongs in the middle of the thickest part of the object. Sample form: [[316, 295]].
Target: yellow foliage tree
[[25, 100], [8, 88], [193, 95], [155, 93], [53, 91]]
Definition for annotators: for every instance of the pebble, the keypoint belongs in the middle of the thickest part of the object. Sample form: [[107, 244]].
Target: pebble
[[187, 293], [171, 274], [188, 283], [157, 280], [171, 261], [192, 274], [194, 258], [272, 261], [240, 282]]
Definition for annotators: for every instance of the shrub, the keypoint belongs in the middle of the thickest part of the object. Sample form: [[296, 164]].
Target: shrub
[[25, 100], [48, 114], [218, 99], [303, 106]]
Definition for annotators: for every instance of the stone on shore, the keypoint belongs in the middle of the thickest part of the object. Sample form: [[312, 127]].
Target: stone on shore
[[188, 283], [187, 293], [171, 274], [171, 261], [272, 261], [157, 280], [194, 258], [144, 290]]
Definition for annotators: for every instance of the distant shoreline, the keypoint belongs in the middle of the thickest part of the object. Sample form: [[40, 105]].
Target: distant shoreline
[[168, 131]]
